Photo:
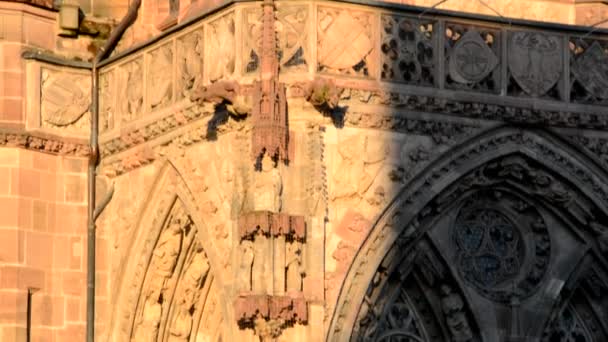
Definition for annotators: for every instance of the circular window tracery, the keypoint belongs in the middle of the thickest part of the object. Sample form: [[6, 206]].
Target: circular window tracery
[[490, 247], [502, 245]]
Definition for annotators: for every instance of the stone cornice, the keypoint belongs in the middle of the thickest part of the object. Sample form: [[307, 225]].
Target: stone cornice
[[163, 137], [37, 141]]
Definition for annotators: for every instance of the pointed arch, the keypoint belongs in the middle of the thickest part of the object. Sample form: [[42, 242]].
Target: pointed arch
[[541, 163], [172, 255]]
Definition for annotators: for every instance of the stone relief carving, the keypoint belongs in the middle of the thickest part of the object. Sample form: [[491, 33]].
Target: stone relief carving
[[188, 294], [160, 77], [259, 269], [535, 62], [147, 328], [345, 41], [247, 258], [252, 39], [455, 317], [407, 50], [473, 58], [589, 68], [294, 267], [166, 252], [165, 255], [268, 187], [42, 143], [189, 62], [130, 83], [107, 100], [221, 48], [316, 188], [292, 34], [357, 166], [64, 99]]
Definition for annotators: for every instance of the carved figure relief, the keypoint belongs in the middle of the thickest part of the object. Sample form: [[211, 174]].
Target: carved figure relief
[[64, 99], [357, 166], [222, 48], [166, 252], [147, 329], [107, 100], [294, 266], [161, 271], [535, 61], [189, 63], [130, 83], [181, 327], [268, 187], [247, 258], [345, 41], [456, 320], [193, 277], [407, 50], [589, 67], [160, 77], [258, 271], [472, 58], [188, 295]]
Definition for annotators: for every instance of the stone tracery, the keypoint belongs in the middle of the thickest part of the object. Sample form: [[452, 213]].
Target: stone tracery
[[518, 173]]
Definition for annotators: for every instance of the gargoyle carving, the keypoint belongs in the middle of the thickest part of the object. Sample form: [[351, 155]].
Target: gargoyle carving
[[322, 93], [224, 92]]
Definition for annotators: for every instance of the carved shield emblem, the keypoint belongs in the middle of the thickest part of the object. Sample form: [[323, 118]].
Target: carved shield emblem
[[535, 61], [471, 59], [64, 97], [591, 70], [344, 42]]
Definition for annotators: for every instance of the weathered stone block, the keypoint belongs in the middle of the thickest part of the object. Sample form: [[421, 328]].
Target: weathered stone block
[[12, 250], [29, 183], [39, 249], [73, 283], [26, 213]]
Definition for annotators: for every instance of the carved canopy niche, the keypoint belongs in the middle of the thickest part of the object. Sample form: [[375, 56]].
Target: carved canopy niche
[[502, 240]]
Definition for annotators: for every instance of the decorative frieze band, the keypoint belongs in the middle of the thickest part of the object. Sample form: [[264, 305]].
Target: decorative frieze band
[[36, 142], [272, 224]]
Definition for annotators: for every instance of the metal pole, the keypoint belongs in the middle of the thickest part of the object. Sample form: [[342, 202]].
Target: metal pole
[[92, 211], [30, 293]]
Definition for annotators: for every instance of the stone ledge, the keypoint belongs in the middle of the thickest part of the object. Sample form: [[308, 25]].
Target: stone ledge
[[43, 142]]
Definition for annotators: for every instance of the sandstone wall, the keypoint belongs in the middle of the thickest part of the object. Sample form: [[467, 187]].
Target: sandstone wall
[[168, 155], [44, 245]]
